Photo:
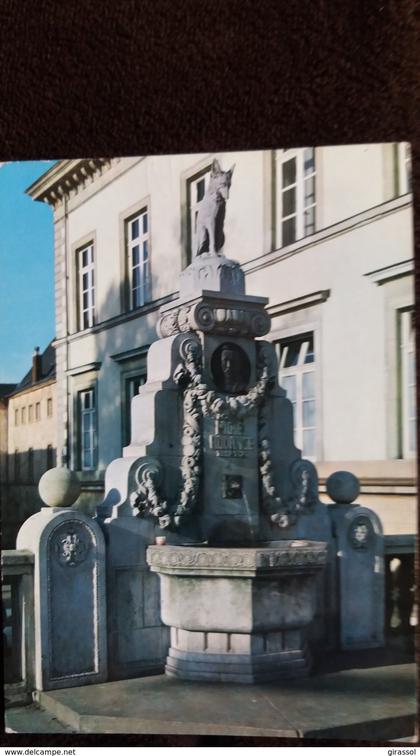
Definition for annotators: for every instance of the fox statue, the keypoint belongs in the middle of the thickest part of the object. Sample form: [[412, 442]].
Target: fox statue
[[211, 213]]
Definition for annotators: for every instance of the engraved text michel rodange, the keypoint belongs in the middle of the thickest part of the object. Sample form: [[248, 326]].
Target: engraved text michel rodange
[[229, 439]]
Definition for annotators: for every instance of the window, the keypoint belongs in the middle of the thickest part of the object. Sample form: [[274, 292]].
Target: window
[[16, 417], [86, 286], [132, 385], [38, 411], [297, 376], [196, 189], [49, 407], [408, 383], [138, 254], [30, 465], [17, 465], [23, 415], [50, 457], [296, 203], [30, 413], [87, 429], [404, 168]]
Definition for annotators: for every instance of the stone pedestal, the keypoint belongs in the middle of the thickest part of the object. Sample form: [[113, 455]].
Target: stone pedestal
[[69, 597], [238, 614], [359, 567]]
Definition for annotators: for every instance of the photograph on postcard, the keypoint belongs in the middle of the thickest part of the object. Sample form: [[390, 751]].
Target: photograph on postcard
[[208, 470]]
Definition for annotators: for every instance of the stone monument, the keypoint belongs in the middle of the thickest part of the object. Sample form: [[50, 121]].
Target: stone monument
[[359, 566], [213, 470], [211, 555], [69, 587]]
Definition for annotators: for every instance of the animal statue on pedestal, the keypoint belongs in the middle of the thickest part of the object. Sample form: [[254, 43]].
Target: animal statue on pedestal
[[211, 213]]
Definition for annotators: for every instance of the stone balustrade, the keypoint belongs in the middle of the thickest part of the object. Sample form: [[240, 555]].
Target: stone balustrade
[[17, 568]]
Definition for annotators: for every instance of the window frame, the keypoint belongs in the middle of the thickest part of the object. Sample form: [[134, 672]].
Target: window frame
[[140, 374], [146, 281], [282, 157], [37, 411], [17, 467], [91, 413], [131, 368], [124, 217], [89, 269], [298, 371], [192, 208], [404, 168], [49, 405], [81, 381], [31, 466], [49, 459], [406, 349]]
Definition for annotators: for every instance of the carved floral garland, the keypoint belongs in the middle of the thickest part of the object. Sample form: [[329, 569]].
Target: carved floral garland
[[200, 401], [279, 513]]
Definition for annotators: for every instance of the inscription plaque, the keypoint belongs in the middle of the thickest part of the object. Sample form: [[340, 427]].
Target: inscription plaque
[[230, 440]]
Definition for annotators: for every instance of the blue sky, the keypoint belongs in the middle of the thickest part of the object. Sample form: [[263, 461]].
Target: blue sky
[[27, 269]]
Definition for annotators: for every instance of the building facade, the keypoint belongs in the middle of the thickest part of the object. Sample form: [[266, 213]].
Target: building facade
[[5, 390], [325, 233], [31, 442]]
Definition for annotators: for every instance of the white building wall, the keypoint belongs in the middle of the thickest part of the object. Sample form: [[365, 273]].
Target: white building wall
[[360, 228], [351, 179]]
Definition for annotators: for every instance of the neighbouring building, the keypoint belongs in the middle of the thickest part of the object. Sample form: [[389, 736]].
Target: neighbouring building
[[325, 233], [5, 390], [31, 443]]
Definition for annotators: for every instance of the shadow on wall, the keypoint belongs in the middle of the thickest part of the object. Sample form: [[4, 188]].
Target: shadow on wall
[[112, 400], [19, 494]]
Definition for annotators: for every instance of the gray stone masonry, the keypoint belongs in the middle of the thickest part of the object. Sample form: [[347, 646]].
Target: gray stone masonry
[[69, 597], [238, 614]]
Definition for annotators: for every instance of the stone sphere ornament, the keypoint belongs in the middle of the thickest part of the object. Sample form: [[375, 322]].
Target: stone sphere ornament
[[59, 487], [343, 487]]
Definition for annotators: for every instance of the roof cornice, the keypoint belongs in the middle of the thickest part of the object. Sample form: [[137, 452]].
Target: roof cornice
[[66, 178]]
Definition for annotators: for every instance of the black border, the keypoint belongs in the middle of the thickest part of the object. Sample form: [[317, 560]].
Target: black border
[[128, 77]]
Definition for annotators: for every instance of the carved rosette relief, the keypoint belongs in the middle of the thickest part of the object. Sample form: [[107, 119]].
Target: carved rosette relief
[[361, 532], [214, 319], [70, 545]]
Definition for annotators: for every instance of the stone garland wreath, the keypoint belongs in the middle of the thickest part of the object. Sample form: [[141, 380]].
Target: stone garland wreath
[[198, 401]]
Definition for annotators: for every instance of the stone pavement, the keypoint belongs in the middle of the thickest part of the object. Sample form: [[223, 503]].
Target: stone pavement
[[32, 719], [365, 704]]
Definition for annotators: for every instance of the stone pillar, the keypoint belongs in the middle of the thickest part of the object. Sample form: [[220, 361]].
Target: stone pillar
[[137, 640], [359, 566], [69, 587]]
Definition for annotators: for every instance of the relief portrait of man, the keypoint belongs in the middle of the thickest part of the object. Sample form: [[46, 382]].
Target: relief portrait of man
[[231, 369]]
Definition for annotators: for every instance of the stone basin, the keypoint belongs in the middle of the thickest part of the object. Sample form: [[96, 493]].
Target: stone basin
[[238, 614]]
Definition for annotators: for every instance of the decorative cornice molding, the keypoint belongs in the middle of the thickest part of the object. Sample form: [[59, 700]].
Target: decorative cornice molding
[[117, 320], [88, 368], [317, 297], [195, 560], [131, 353], [67, 178], [344, 226], [32, 387], [397, 270]]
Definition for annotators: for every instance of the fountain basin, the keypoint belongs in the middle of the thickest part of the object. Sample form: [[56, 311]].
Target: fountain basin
[[238, 614]]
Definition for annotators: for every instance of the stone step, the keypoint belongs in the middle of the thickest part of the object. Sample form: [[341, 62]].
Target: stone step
[[362, 704]]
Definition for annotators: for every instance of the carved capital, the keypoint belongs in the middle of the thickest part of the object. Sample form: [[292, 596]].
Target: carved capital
[[232, 319]]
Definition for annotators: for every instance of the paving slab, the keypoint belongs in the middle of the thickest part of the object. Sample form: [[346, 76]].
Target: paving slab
[[32, 719], [376, 703]]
